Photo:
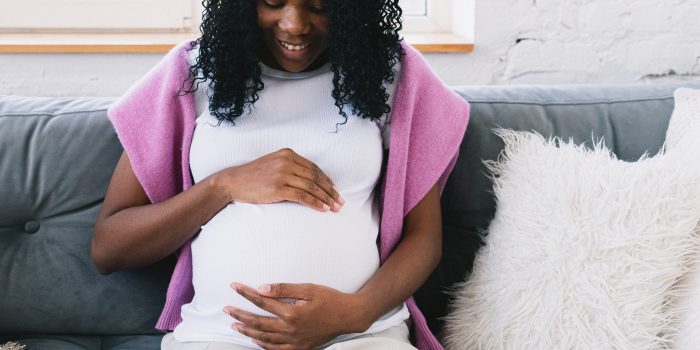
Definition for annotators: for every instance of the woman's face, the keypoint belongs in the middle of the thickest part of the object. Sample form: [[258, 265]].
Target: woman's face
[[295, 33]]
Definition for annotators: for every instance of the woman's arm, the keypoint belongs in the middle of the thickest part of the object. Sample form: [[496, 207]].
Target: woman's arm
[[322, 313], [409, 265], [131, 232]]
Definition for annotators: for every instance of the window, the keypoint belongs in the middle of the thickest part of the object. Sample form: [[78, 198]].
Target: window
[[414, 7], [153, 26], [445, 17], [96, 15]]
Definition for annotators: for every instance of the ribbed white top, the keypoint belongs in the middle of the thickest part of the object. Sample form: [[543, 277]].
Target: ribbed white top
[[284, 242]]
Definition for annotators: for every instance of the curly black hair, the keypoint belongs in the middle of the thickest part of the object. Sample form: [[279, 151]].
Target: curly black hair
[[363, 48]]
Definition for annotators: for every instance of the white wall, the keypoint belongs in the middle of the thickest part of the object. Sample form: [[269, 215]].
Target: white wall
[[517, 42], [579, 41]]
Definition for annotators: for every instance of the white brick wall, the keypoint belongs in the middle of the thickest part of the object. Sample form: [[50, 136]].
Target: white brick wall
[[579, 41], [517, 42]]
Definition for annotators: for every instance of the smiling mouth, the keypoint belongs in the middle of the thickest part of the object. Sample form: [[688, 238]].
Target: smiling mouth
[[293, 47]]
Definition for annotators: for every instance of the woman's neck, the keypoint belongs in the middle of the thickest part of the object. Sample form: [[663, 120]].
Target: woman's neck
[[267, 59]]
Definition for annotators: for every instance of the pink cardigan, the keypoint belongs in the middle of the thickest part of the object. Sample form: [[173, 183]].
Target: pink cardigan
[[155, 127]]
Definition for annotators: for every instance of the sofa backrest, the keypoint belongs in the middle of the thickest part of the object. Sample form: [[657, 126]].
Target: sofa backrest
[[631, 120], [56, 158]]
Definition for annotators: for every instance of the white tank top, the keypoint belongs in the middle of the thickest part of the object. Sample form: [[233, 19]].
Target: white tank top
[[284, 242]]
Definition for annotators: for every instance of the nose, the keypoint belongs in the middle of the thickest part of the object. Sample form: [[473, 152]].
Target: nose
[[294, 21]]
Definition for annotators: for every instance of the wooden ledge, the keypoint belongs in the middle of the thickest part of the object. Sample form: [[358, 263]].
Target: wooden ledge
[[90, 43], [440, 42], [161, 43]]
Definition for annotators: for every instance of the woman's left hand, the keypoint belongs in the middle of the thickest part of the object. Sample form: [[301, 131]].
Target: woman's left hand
[[318, 315]]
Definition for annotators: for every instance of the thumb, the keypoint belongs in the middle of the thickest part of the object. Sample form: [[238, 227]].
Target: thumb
[[286, 290]]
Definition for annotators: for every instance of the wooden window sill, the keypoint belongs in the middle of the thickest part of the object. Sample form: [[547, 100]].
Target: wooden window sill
[[161, 43]]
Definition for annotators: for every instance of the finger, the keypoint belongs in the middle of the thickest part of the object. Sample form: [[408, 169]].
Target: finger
[[321, 180], [313, 189], [261, 323], [301, 196], [309, 165], [301, 291], [265, 337], [272, 305], [313, 172]]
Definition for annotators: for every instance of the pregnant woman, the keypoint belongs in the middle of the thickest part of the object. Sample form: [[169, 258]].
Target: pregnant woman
[[292, 158]]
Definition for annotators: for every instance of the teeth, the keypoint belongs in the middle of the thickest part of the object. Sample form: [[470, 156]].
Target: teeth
[[294, 47]]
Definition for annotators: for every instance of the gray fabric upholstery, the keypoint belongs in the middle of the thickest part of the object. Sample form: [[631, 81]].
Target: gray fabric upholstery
[[57, 155], [56, 158]]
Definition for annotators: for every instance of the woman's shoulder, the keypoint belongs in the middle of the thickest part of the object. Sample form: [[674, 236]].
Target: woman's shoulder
[[179, 58], [192, 54]]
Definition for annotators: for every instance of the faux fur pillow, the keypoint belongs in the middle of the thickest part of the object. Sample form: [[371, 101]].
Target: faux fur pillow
[[12, 346], [682, 139], [583, 252], [685, 121]]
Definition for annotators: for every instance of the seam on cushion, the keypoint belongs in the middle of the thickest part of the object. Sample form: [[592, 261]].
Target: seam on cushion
[[48, 114], [614, 132], [570, 102]]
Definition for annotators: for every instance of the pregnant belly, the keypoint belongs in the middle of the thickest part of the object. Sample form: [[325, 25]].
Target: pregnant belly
[[282, 242]]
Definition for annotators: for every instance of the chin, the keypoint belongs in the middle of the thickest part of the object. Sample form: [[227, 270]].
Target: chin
[[295, 68]]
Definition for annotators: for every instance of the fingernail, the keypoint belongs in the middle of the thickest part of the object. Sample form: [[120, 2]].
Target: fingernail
[[325, 207], [336, 206], [340, 198], [234, 285], [227, 311], [265, 288]]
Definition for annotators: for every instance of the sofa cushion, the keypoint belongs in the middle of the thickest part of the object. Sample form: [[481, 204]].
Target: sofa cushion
[[56, 158], [632, 120], [84, 342]]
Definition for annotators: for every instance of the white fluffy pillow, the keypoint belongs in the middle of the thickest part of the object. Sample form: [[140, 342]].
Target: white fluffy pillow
[[685, 120], [682, 139], [583, 251]]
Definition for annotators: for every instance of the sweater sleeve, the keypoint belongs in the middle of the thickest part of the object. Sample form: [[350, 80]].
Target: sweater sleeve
[[153, 121], [428, 123]]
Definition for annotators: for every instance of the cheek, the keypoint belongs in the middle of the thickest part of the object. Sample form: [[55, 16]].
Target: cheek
[[265, 20], [323, 25], [262, 24], [323, 29]]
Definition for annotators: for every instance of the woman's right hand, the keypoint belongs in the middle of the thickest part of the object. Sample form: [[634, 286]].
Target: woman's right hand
[[279, 176]]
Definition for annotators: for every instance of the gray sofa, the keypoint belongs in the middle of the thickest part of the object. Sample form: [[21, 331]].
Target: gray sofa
[[57, 155]]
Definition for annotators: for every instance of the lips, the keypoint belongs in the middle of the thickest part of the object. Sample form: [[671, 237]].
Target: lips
[[293, 46], [295, 55]]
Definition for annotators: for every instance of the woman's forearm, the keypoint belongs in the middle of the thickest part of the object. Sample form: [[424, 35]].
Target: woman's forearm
[[409, 265], [142, 234]]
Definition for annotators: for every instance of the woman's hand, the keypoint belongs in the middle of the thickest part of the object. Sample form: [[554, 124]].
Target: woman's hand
[[278, 176], [318, 315]]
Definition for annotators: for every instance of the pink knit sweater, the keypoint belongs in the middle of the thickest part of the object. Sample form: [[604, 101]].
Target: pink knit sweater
[[155, 127]]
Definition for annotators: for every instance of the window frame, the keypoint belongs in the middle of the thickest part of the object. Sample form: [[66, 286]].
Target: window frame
[[103, 16], [457, 38], [444, 17]]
